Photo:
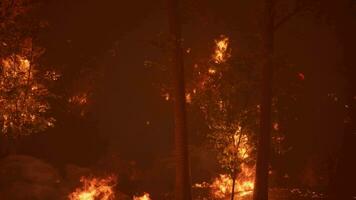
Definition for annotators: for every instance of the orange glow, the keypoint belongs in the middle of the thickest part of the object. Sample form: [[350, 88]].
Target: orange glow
[[80, 99], [211, 71], [145, 196], [166, 96], [22, 108], [222, 185], [221, 53], [188, 98], [95, 188], [16, 66]]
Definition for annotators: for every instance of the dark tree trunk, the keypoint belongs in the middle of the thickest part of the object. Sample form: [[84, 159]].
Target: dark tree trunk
[[264, 137], [233, 187], [342, 184], [183, 185]]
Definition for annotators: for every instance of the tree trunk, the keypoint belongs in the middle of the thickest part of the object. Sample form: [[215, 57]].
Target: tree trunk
[[342, 185], [264, 137], [182, 185], [233, 187]]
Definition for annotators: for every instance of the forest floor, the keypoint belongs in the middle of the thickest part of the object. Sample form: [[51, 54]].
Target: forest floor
[[279, 194]]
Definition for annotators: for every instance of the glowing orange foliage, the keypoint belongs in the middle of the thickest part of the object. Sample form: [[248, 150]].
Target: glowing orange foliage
[[23, 103]]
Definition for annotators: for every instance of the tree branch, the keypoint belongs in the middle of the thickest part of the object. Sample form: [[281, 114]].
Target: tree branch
[[298, 8]]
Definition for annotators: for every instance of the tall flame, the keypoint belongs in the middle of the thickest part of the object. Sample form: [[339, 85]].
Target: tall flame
[[95, 189], [221, 53]]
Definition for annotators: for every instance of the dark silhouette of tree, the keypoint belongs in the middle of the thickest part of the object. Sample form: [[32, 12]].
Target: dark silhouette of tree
[[341, 14], [264, 138], [182, 185], [269, 24]]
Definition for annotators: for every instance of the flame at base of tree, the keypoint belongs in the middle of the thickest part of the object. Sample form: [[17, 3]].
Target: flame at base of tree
[[221, 186], [95, 189], [145, 196]]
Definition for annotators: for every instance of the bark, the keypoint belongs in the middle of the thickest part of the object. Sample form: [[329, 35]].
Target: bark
[[233, 187], [182, 185], [264, 137]]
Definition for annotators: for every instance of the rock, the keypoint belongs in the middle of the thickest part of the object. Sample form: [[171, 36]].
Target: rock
[[27, 178]]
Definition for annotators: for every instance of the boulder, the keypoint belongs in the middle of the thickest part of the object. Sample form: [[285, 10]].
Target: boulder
[[27, 178]]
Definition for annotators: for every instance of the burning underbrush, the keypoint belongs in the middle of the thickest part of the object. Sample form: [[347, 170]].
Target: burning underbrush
[[24, 177], [221, 186], [95, 188]]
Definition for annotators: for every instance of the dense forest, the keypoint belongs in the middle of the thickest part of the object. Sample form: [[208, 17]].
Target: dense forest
[[177, 100]]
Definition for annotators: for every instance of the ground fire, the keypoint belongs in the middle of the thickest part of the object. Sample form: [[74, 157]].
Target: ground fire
[[145, 196], [95, 189]]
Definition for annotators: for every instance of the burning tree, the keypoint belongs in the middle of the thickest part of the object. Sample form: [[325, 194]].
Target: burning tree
[[224, 89], [223, 92], [24, 83], [23, 99]]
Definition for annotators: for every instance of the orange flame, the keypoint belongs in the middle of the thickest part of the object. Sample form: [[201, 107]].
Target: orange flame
[[222, 185], [95, 189], [221, 53], [145, 196], [80, 99]]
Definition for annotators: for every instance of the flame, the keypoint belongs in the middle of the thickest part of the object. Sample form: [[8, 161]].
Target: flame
[[244, 148], [80, 99], [188, 98], [211, 71], [221, 53], [95, 189], [145, 196], [222, 185], [22, 101], [16, 66], [167, 96]]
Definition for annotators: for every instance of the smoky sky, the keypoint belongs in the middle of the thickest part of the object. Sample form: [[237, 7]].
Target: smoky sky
[[130, 117]]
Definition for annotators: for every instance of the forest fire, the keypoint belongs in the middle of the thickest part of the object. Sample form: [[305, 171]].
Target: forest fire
[[177, 100], [95, 188]]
